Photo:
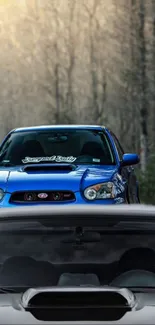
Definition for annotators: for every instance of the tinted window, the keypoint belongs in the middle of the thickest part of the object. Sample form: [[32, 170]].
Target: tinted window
[[33, 254], [58, 146]]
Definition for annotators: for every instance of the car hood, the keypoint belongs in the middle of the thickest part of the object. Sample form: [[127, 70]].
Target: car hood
[[82, 176], [12, 312]]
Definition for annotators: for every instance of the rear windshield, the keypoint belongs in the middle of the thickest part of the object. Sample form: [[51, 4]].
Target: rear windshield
[[35, 254], [57, 146]]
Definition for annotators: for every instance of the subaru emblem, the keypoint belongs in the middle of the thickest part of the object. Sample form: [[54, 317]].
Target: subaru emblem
[[42, 195]]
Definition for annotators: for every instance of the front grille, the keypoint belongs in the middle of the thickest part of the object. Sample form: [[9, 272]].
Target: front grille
[[42, 196]]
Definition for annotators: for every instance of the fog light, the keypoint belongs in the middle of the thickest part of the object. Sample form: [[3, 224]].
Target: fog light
[[90, 193]]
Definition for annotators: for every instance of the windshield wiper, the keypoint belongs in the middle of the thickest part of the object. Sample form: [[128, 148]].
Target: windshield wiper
[[7, 290], [141, 289], [7, 164], [13, 289]]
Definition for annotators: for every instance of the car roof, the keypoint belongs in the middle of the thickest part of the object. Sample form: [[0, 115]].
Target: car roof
[[49, 127]]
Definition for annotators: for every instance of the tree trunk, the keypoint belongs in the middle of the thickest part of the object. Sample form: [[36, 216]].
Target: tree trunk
[[143, 108]]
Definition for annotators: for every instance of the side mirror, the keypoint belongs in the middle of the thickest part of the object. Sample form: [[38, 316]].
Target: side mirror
[[130, 159]]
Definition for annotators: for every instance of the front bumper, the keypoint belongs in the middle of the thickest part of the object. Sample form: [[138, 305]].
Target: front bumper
[[79, 200]]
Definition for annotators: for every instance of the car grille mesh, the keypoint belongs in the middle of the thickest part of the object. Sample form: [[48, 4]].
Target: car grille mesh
[[42, 196]]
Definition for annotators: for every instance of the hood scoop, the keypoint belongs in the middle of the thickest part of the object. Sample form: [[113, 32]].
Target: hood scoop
[[49, 167], [78, 303]]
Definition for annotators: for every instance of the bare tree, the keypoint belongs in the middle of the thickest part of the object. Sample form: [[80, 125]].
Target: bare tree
[[143, 81], [71, 48], [98, 82], [51, 58], [153, 66]]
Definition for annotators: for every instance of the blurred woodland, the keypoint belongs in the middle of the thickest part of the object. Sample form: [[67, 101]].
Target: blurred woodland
[[81, 61]]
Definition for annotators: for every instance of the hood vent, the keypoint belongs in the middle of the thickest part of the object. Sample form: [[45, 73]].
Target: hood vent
[[78, 304], [49, 167]]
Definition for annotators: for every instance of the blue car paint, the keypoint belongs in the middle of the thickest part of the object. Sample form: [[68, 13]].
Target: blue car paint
[[13, 179]]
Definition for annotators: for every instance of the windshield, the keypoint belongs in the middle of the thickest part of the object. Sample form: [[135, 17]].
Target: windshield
[[57, 146], [33, 253]]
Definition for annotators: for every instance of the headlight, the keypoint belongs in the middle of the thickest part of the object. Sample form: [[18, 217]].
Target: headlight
[[100, 191], [1, 194]]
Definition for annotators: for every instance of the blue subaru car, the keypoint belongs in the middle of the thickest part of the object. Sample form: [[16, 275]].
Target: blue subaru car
[[66, 165]]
